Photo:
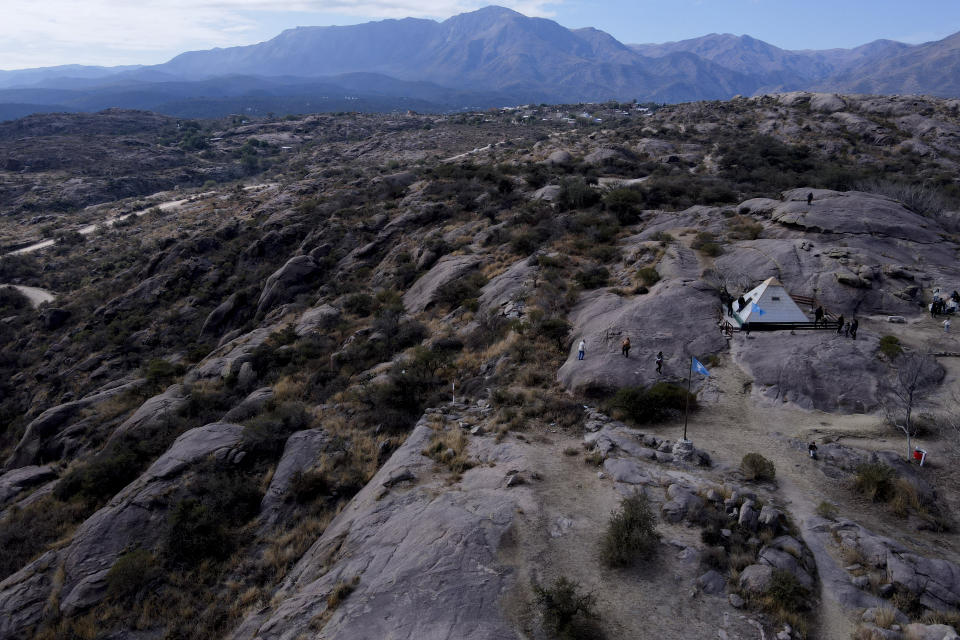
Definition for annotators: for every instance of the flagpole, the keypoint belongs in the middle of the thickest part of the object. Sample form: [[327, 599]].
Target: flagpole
[[686, 409]]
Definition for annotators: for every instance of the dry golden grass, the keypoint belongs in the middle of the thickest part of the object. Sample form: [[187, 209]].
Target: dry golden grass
[[289, 388], [885, 617], [449, 448]]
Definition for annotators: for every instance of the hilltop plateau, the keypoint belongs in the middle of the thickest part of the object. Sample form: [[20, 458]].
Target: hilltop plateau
[[318, 376]]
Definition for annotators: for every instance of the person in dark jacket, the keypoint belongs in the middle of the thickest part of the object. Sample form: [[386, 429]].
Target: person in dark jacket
[[818, 315], [839, 325], [625, 347], [660, 362], [853, 328]]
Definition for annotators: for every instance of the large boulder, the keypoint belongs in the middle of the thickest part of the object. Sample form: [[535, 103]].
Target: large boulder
[[814, 370], [44, 428], [154, 412], [304, 451], [756, 578], [15, 482], [424, 291], [295, 277], [317, 318], [133, 518], [509, 288], [423, 558], [676, 317], [229, 358], [847, 212]]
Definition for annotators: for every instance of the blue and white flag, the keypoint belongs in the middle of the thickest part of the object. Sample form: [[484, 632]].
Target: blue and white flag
[[699, 368], [756, 309]]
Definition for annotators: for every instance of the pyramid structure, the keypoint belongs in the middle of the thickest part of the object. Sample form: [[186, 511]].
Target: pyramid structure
[[767, 303]]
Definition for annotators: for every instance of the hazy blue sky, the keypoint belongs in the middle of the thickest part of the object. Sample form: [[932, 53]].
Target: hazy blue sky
[[110, 32]]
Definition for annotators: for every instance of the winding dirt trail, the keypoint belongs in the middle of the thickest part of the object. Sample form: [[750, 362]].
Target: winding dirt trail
[[35, 295], [109, 222]]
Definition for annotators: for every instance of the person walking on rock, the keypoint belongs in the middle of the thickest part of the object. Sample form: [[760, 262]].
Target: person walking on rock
[[846, 330], [660, 363], [946, 325], [809, 199], [839, 325], [581, 350], [818, 316], [812, 449], [625, 347], [853, 328]]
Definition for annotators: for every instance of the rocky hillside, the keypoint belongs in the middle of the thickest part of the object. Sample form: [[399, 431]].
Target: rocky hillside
[[333, 390]]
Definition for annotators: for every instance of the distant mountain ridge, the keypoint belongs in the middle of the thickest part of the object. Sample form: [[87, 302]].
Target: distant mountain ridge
[[489, 57]]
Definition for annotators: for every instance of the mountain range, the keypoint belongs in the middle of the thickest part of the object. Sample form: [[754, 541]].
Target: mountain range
[[485, 58]]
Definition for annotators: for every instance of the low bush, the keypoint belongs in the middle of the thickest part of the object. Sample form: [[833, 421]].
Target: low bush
[[786, 597], [875, 481], [307, 486], [644, 405], [26, 532], [359, 304], [12, 300], [266, 433], [890, 346], [461, 291], [203, 524], [592, 277], [755, 467], [649, 276], [130, 574], [575, 193], [625, 204], [631, 532], [566, 611]]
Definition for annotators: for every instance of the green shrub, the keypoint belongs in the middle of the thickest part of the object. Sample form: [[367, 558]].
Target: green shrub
[[625, 204], [575, 193], [202, 525], [130, 574], [644, 405], [890, 346], [592, 277], [360, 304], [631, 532], [462, 290], [662, 236], [565, 609], [307, 486], [26, 532], [755, 467], [12, 300], [160, 373], [195, 533], [266, 433], [649, 276], [875, 481], [785, 593]]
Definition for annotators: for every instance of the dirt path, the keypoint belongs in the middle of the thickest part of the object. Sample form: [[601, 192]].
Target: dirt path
[[109, 222], [653, 601], [35, 295]]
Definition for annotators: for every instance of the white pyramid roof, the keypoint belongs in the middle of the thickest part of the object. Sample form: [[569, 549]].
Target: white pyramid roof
[[773, 300]]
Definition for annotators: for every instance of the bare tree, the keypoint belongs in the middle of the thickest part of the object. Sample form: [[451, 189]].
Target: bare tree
[[917, 375]]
